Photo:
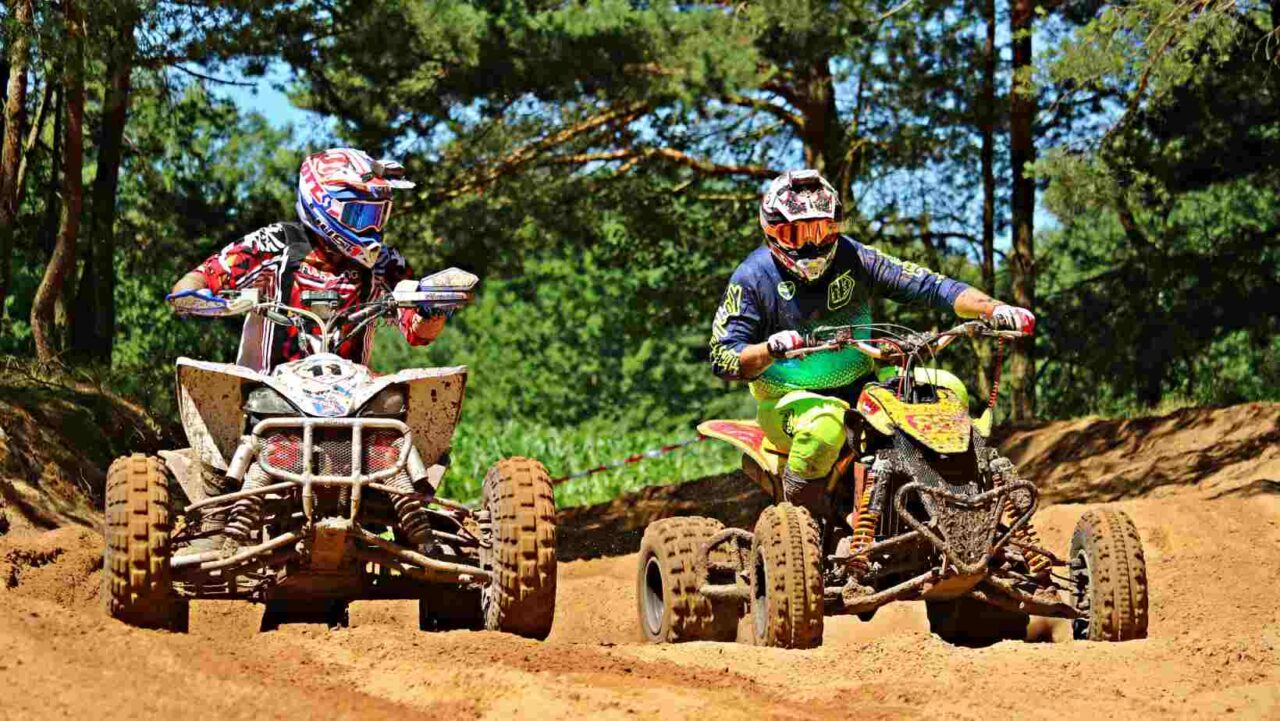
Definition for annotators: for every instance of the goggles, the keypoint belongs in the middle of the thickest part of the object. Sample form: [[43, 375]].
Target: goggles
[[799, 233], [361, 215]]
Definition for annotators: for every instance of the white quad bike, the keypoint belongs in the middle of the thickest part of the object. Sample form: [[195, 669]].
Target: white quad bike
[[328, 476]]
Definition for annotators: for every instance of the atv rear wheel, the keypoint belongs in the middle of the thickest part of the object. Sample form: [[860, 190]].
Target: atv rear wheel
[[969, 622], [135, 562], [786, 579], [521, 598], [1109, 573], [671, 605]]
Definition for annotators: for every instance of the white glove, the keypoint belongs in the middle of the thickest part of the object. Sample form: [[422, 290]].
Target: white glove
[[783, 341], [1011, 317]]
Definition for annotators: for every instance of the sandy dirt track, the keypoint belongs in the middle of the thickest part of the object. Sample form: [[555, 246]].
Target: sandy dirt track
[[1213, 551]]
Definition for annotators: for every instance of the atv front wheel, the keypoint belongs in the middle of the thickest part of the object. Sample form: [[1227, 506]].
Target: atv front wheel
[[135, 561], [521, 555], [1109, 575], [970, 622], [672, 607], [786, 579]]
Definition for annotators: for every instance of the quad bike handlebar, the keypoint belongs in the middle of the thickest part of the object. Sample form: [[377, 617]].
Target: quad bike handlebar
[[445, 291], [832, 338]]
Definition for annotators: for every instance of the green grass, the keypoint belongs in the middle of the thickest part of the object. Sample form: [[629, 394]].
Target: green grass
[[477, 446]]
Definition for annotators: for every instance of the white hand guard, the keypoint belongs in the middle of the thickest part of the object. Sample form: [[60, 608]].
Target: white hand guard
[[206, 304]]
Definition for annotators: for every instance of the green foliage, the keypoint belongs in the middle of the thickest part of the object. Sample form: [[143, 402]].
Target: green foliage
[[184, 193], [479, 443], [1170, 219]]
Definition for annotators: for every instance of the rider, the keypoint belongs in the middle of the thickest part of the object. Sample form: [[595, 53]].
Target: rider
[[334, 254], [332, 259], [807, 274]]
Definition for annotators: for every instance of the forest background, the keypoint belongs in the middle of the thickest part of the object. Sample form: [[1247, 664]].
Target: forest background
[[598, 163]]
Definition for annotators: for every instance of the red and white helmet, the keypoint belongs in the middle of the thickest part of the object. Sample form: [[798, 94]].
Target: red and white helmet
[[801, 215], [344, 196]]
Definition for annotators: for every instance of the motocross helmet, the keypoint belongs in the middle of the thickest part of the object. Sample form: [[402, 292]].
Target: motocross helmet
[[344, 196], [801, 215]]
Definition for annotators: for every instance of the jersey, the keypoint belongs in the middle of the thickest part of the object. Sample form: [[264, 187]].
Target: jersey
[[286, 258], [762, 299]]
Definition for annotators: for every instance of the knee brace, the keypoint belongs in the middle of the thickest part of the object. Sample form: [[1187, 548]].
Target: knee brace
[[817, 439]]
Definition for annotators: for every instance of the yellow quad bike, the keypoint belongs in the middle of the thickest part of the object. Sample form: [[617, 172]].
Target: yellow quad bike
[[923, 509]]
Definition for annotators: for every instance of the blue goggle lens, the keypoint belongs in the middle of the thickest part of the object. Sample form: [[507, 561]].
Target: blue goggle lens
[[363, 215]]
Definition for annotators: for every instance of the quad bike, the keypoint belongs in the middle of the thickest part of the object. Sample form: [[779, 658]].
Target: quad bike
[[327, 477], [923, 508]]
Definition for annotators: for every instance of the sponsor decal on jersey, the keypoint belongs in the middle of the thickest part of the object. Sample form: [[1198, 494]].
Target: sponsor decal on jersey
[[786, 290], [732, 306], [840, 291]]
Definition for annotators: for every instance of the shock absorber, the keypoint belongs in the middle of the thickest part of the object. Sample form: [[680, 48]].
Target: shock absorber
[[410, 511], [864, 528], [246, 513], [1026, 535]]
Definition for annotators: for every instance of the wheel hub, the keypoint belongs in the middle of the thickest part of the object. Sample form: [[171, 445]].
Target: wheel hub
[[654, 597], [1082, 581]]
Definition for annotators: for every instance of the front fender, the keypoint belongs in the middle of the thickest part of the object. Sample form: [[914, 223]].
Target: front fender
[[209, 402]]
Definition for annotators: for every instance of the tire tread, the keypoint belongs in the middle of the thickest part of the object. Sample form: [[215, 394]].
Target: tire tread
[[787, 537], [521, 502], [690, 616]]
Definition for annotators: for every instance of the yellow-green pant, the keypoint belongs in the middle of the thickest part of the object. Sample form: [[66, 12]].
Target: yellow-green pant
[[807, 425]]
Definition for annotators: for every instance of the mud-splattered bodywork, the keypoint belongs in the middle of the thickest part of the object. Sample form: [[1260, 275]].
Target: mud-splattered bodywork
[[211, 400]]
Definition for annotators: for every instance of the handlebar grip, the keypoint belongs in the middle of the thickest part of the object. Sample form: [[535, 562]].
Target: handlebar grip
[[802, 352]]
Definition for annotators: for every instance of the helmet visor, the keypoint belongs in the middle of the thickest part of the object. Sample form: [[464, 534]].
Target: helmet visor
[[799, 233], [364, 215]]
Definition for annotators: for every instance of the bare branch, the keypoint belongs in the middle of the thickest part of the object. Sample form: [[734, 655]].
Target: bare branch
[[785, 91], [634, 156], [777, 111], [214, 79], [894, 11], [527, 153]]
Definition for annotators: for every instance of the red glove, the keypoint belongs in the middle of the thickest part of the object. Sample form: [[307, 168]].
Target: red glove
[[1011, 317], [783, 341]]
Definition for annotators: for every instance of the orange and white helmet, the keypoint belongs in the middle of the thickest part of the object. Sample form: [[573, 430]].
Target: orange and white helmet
[[800, 214]]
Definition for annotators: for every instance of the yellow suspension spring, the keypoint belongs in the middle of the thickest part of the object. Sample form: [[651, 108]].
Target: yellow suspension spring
[[864, 529], [1036, 562]]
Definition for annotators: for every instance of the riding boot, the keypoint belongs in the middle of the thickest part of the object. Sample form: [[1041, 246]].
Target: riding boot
[[808, 493], [212, 483]]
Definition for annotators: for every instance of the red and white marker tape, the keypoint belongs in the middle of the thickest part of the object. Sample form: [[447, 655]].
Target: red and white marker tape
[[634, 458]]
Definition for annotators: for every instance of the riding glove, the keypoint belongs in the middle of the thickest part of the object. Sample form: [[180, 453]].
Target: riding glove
[[783, 341], [1011, 317]]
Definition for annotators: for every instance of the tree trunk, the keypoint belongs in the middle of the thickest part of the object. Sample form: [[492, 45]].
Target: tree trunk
[[1022, 109], [48, 233], [33, 137], [95, 318], [988, 110], [822, 135], [987, 131], [63, 258], [14, 109], [4, 80]]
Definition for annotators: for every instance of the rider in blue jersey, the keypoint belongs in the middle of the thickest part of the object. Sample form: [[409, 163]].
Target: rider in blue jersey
[[807, 275]]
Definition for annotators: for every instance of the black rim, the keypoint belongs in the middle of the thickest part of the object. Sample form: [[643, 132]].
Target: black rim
[[760, 600], [654, 597], [1082, 582]]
